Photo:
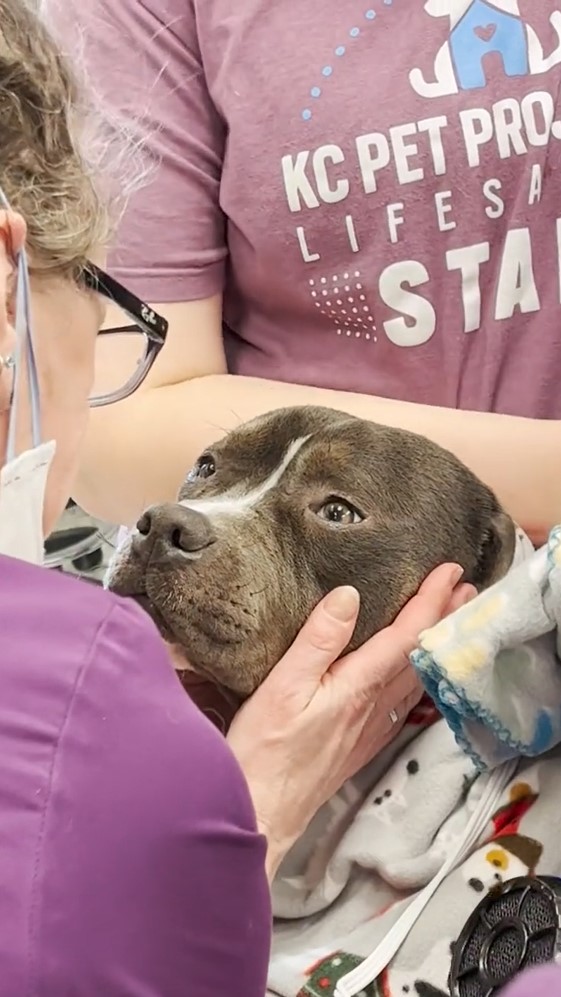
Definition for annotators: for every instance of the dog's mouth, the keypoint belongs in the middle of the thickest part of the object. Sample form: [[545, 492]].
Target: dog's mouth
[[217, 702], [145, 602]]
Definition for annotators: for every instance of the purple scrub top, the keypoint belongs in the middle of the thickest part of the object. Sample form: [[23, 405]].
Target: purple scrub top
[[542, 982], [130, 864]]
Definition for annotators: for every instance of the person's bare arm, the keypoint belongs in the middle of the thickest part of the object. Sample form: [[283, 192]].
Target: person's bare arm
[[172, 247], [138, 451]]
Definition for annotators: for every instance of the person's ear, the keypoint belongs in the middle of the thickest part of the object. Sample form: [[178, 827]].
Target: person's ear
[[12, 239]]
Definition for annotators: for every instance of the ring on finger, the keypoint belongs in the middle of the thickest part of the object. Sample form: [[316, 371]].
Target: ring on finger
[[393, 715]]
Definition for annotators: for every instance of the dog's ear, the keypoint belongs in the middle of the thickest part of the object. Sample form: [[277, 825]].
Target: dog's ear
[[496, 550]]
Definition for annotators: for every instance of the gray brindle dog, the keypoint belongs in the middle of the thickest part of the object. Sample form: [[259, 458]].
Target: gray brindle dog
[[286, 508]]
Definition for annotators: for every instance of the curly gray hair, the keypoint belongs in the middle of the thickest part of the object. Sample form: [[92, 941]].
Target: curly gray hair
[[65, 165]]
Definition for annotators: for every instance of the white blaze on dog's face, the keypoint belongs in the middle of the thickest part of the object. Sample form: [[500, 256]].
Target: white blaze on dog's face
[[288, 507], [241, 500]]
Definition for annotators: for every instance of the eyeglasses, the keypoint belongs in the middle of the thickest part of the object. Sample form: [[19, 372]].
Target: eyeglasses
[[124, 353]]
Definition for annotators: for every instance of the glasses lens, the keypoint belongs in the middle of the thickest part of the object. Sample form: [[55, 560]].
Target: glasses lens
[[120, 358]]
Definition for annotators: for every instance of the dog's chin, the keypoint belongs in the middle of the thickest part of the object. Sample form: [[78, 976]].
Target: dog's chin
[[179, 653], [154, 613]]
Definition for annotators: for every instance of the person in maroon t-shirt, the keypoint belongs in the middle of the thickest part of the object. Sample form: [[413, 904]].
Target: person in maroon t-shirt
[[350, 204]]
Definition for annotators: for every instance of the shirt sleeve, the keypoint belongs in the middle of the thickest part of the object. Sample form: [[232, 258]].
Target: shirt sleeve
[[542, 982], [153, 874], [142, 58]]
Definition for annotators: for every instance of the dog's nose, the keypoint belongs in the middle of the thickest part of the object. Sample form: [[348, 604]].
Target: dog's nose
[[179, 528]]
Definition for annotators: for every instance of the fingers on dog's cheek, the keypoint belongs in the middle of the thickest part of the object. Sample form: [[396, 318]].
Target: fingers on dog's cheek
[[317, 647], [462, 595], [402, 694], [327, 636], [409, 624], [374, 666], [424, 609], [442, 580]]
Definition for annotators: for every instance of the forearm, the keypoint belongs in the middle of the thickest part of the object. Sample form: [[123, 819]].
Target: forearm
[[138, 452], [272, 861]]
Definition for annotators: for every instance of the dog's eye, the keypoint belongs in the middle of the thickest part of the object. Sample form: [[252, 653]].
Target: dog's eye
[[204, 468], [339, 513]]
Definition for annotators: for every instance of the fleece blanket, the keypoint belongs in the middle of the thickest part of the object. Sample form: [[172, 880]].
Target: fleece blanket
[[493, 667], [388, 832]]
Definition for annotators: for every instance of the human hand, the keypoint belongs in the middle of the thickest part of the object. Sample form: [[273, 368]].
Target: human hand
[[319, 718]]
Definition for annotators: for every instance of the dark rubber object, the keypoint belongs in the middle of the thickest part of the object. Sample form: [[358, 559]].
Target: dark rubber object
[[516, 926]]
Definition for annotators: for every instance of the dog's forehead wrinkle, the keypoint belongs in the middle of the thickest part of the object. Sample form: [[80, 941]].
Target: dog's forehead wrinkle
[[287, 424], [244, 497]]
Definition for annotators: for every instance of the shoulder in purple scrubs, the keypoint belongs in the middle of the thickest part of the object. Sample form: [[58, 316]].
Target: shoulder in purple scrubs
[[542, 982], [130, 861]]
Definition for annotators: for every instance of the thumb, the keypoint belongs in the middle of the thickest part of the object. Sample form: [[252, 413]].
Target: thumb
[[322, 639], [427, 607]]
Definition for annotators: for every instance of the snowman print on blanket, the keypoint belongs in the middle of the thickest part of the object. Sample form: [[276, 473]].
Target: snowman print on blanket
[[422, 965], [511, 856], [508, 853], [388, 799]]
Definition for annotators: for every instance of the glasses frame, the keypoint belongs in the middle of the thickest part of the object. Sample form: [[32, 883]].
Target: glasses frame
[[144, 319]]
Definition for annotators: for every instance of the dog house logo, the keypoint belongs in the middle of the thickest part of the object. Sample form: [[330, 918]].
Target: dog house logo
[[478, 29]]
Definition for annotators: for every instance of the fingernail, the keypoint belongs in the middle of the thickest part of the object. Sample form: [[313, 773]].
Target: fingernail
[[343, 603], [456, 573]]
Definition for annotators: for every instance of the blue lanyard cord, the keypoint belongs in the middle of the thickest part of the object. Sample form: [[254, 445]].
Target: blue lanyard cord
[[23, 276], [24, 351]]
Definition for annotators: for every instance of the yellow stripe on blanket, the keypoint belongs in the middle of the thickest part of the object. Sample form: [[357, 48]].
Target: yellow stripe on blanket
[[481, 613], [464, 622], [460, 662]]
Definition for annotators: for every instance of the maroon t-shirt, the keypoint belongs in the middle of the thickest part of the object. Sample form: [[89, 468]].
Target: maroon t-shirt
[[374, 185]]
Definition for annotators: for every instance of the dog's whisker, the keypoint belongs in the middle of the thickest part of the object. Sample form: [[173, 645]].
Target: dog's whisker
[[238, 416], [216, 425], [255, 595], [265, 655]]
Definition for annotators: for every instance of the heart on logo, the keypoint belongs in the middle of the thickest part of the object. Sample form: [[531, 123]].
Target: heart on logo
[[485, 33]]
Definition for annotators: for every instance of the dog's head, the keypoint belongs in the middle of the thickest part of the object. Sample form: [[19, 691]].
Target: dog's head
[[288, 507]]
